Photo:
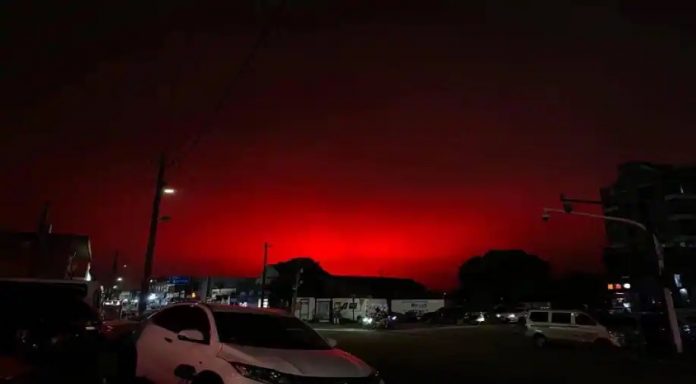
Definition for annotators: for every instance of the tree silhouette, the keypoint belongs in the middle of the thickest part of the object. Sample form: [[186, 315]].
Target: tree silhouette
[[579, 290], [504, 276]]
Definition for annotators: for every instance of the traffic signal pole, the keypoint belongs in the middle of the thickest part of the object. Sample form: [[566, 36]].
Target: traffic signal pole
[[659, 252]]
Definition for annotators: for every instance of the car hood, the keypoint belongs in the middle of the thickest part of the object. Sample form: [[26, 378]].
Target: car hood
[[317, 363]]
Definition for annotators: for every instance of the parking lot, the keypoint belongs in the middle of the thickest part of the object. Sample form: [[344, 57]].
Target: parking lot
[[499, 354]]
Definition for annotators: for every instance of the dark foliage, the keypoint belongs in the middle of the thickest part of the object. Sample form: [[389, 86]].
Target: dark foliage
[[504, 276]]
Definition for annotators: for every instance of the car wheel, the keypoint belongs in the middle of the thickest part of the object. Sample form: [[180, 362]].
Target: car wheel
[[540, 341], [206, 378]]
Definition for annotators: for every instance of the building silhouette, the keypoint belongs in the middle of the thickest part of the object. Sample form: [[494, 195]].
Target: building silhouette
[[663, 198]]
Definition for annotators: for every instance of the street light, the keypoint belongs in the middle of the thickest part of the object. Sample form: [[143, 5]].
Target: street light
[[161, 188], [119, 278], [659, 252]]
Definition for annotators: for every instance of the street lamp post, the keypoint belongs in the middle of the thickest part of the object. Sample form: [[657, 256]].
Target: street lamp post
[[160, 189], [659, 252], [263, 274]]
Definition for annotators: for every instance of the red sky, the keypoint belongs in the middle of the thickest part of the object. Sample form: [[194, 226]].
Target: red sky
[[395, 145]]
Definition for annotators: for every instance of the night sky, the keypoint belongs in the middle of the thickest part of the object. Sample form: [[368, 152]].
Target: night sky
[[378, 137]]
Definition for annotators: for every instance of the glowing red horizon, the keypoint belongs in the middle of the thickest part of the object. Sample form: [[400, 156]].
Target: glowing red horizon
[[399, 146]]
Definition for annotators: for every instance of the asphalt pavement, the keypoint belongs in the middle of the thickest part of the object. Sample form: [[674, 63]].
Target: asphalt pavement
[[499, 354]]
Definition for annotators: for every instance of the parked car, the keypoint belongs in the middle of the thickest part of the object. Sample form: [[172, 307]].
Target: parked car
[[558, 326], [476, 318], [509, 315], [59, 337], [384, 320], [207, 343], [455, 316], [446, 315], [408, 317], [687, 326], [657, 336], [626, 327], [649, 331]]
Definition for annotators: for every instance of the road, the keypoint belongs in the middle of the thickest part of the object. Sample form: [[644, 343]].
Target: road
[[499, 354]]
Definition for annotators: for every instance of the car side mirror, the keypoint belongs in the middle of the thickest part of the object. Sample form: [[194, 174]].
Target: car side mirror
[[331, 342], [191, 335], [185, 372]]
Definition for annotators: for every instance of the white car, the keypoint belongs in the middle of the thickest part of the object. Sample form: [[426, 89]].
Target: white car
[[566, 327], [225, 344]]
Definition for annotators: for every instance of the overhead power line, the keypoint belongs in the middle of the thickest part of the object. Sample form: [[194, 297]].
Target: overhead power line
[[208, 126]]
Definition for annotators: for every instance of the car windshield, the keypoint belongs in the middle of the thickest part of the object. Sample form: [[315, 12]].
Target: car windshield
[[266, 331]]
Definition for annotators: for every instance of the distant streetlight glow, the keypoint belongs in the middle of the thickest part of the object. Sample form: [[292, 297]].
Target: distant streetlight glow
[[119, 278], [169, 191]]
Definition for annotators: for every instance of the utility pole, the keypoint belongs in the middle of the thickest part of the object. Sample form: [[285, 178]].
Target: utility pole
[[43, 231], [208, 289], [263, 273], [114, 275], [296, 288], [659, 253], [154, 220]]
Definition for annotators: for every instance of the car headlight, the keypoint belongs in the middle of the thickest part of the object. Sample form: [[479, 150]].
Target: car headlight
[[512, 316], [262, 375], [367, 320], [271, 376]]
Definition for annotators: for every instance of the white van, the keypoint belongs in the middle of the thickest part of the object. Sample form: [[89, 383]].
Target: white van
[[566, 327]]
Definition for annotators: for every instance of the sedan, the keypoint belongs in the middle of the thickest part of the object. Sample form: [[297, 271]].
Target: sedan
[[222, 344]]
